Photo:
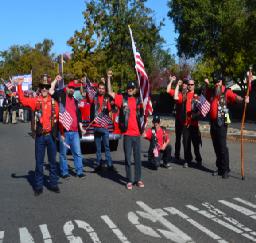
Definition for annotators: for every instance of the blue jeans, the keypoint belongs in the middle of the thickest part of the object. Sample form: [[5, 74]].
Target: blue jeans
[[73, 140], [102, 134], [132, 143], [42, 142]]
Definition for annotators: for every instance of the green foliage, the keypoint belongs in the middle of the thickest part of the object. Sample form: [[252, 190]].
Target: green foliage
[[104, 41], [217, 33]]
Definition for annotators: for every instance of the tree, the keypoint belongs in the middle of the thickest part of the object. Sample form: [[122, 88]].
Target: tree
[[104, 41], [216, 33]]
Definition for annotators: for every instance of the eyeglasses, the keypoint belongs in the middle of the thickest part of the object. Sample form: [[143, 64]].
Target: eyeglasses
[[191, 84]]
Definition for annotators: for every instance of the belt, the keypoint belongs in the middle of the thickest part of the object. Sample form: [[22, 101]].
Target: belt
[[44, 133]]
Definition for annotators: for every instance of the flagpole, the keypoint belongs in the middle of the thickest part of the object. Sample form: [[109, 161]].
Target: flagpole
[[134, 55]]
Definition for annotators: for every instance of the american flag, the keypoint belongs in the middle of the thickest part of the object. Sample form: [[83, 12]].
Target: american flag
[[103, 119], [65, 118], [143, 82], [91, 91], [203, 105], [9, 85]]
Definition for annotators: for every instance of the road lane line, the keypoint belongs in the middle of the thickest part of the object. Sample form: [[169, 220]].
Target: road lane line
[[45, 232], [240, 209], [25, 236], [173, 233], [221, 222], [115, 229], [208, 232], [1, 236], [247, 203]]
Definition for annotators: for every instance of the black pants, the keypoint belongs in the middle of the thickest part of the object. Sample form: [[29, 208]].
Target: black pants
[[165, 155], [191, 134], [178, 135], [219, 140], [132, 143]]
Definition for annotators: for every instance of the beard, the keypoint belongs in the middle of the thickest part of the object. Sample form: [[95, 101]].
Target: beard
[[218, 91], [70, 94]]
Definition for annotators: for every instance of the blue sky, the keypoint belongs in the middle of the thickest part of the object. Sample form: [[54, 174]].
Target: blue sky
[[30, 21]]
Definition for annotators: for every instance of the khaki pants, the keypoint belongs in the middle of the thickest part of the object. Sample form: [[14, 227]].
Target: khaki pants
[[6, 117], [14, 114]]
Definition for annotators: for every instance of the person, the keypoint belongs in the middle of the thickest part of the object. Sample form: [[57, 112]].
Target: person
[[131, 113], [1, 107], [159, 148], [6, 108], [100, 106], [69, 135], [190, 130], [179, 123], [14, 108], [46, 123], [219, 97]]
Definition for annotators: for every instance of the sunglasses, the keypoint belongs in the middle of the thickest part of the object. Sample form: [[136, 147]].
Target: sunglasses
[[191, 84]]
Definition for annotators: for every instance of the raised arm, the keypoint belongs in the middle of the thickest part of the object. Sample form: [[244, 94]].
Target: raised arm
[[53, 84], [169, 86], [176, 92], [110, 91]]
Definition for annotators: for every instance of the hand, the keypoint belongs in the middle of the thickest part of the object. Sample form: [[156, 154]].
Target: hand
[[83, 131], [83, 80], [110, 73], [206, 80], [246, 99], [172, 78], [103, 80], [58, 78], [62, 138]]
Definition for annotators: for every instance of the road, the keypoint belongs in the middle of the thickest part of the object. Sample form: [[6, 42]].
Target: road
[[176, 205]]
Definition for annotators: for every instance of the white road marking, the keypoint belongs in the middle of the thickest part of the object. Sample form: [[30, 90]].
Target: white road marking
[[1, 236], [69, 227], [247, 203], [221, 222], [45, 232], [115, 229], [173, 233], [208, 232], [25, 236], [217, 212], [240, 209]]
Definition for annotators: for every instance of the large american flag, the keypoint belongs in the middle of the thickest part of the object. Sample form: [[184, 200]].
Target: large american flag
[[143, 82], [91, 91], [203, 105], [103, 119], [65, 118]]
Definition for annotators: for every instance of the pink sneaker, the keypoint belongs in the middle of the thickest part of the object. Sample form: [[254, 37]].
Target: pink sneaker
[[129, 186], [140, 184]]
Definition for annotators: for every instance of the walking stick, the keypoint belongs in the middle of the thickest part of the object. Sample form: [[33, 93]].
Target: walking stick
[[242, 122]]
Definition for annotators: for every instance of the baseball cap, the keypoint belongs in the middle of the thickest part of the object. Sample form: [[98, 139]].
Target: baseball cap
[[71, 85], [131, 85], [156, 119]]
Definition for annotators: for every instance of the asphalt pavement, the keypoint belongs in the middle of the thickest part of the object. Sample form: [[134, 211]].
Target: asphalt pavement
[[176, 205]]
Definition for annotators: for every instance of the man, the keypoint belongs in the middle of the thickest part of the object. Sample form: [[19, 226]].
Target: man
[[219, 97], [131, 112], [1, 107], [14, 108], [69, 135], [100, 106], [179, 118], [6, 108], [190, 131], [159, 148], [46, 116]]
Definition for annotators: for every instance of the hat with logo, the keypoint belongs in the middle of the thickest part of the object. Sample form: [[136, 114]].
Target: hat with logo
[[131, 85], [156, 119]]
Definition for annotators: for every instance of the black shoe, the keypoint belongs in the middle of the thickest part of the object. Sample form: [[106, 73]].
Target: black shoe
[[199, 163], [217, 172], [225, 175], [98, 169], [81, 175], [67, 176], [55, 189], [112, 169], [37, 192]]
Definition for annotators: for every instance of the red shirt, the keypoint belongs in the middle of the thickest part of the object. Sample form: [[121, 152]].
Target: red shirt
[[84, 107], [71, 109], [188, 121], [133, 129], [230, 96], [178, 106], [36, 103], [159, 135]]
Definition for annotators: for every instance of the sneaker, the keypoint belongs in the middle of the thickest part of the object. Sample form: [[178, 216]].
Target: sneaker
[[37, 192], [185, 165], [225, 175], [129, 186], [112, 169], [67, 176], [167, 165], [55, 189], [98, 168], [81, 175], [199, 163], [217, 172], [140, 184]]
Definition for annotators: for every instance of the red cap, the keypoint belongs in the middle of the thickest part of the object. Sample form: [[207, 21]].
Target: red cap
[[71, 84]]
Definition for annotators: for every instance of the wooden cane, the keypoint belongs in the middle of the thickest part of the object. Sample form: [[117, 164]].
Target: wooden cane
[[242, 123]]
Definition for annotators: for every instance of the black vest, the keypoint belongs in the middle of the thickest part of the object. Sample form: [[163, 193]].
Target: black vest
[[94, 112]]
